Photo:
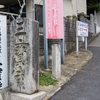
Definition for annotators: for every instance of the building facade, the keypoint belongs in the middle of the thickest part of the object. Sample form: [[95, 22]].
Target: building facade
[[70, 7]]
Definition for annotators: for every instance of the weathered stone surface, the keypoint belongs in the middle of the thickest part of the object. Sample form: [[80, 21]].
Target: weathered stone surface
[[56, 61], [36, 96], [19, 96], [6, 94], [24, 55]]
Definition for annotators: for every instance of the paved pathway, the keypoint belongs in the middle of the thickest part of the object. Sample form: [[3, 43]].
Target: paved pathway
[[85, 85]]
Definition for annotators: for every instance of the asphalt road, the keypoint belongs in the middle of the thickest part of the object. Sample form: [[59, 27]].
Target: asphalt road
[[85, 85]]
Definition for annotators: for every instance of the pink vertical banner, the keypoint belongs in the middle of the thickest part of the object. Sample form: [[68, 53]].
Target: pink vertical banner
[[54, 19]]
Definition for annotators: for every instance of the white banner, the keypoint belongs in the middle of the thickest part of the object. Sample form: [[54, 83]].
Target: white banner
[[82, 29], [3, 52]]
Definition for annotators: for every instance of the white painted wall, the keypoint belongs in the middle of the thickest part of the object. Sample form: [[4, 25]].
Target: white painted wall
[[71, 6], [81, 6], [97, 29], [38, 2], [67, 6], [74, 7]]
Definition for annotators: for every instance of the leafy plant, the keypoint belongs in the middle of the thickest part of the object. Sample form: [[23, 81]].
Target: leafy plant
[[45, 79], [74, 17]]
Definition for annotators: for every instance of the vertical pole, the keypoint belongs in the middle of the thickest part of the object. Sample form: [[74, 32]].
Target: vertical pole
[[76, 31], [29, 7], [86, 43], [62, 51], [45, 40], [77, 46], [33, 9], [77, 38]]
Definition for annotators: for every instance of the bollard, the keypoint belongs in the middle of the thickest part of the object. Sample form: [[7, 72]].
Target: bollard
[[56, 61]]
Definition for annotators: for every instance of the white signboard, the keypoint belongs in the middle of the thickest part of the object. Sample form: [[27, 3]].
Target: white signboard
[[3, 52], [82, 29]]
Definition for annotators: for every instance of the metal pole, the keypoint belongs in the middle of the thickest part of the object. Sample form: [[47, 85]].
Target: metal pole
[[86, 43], [45, 40], [77, 39], [77, 46], [62, 51], [76, 32]]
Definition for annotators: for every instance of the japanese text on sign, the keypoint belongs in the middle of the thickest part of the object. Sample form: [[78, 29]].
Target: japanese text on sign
[[54, 19], [82, 29], [0, 57], [3, 52]]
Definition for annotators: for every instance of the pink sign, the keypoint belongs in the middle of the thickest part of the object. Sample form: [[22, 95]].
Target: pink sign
[[54, 19]]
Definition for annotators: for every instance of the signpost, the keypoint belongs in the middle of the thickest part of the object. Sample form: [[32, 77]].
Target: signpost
[[53, 24], [81, 31], [3, 52]]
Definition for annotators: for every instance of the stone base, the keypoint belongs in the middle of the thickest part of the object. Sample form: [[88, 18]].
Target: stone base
[[36, 96], [18, 96]]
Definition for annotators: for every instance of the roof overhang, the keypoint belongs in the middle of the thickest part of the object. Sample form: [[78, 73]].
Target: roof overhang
[[8, 2]]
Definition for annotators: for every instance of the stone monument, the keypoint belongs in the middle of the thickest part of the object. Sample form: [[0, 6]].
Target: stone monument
[[56, 60], [24, 54]]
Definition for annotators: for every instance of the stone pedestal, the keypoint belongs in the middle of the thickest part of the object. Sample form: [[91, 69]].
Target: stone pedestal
[[5, 94], [24, 56], [56, 61], [36, 96]]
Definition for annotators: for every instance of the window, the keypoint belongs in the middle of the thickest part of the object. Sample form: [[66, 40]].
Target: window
[[15, 9], [39, 14]]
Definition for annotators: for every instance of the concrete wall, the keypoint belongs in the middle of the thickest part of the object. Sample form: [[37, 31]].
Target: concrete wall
[[29, 8], [81, 6], [92, 19], [67, 7], [97, 29], [95, 20], [74, 7]]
